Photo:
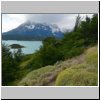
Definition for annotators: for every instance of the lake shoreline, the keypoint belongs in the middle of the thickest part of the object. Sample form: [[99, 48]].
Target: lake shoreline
[[21, 40]]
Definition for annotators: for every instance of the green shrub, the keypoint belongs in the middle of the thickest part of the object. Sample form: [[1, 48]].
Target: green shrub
[[38, 77], [84, 74], [92, 56], [76, 77]]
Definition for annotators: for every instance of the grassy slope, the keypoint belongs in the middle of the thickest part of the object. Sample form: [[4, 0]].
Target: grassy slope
[[80, 70], [83, 74]]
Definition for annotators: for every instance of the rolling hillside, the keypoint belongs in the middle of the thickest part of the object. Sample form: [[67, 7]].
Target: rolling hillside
[[78, 71]]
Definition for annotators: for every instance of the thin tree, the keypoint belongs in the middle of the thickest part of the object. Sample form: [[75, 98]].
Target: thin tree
[[77, 23]]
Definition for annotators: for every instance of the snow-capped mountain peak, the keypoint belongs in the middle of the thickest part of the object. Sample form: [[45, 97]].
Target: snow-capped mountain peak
[[33, 31], [54, 28]]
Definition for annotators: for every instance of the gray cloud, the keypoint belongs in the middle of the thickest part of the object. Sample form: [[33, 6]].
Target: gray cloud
[[64, 21], [48, 18]]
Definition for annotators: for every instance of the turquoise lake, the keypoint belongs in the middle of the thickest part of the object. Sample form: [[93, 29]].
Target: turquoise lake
[[30, 46]]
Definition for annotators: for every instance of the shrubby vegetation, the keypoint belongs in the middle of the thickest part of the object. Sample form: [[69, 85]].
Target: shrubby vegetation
[[84, 74], [74, 43], [78, 71], [12, 71], [9, 65]]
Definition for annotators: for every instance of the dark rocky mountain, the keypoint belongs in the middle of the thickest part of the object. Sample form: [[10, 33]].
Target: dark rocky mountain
[[33, 31]]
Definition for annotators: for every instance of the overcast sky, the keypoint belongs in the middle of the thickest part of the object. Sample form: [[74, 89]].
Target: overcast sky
[[64, 21]]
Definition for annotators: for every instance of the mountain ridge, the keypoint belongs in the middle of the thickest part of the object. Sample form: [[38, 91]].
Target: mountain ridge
[[33, 31]]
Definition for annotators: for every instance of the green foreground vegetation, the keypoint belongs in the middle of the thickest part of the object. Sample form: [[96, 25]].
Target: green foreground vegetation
[[71, 61], [77, 71]]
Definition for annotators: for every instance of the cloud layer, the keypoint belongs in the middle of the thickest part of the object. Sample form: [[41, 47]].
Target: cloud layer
[[64, 21]]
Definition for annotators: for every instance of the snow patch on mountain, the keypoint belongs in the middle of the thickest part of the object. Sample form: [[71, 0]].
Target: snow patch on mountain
[[54, 28], [30, 26]]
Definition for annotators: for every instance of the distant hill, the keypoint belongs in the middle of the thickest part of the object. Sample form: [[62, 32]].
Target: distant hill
[[33, 31]]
